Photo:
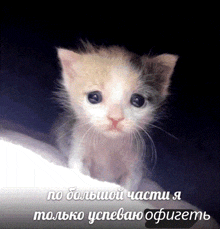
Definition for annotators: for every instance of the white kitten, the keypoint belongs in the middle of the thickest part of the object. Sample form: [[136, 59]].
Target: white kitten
[[111, 95]]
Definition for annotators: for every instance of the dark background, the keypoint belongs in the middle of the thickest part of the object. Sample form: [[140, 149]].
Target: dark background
[[29, 70]]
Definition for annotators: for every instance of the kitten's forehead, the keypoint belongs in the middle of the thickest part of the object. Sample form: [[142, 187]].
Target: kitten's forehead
[[112, 73], [120, 71], [120, 82]]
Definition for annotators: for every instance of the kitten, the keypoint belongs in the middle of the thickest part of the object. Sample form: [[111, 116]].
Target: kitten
[[111, 95]]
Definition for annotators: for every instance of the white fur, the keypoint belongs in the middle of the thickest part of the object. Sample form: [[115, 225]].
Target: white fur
[[118, 76]]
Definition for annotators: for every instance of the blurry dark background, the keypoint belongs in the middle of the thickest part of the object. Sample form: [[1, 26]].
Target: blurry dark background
[[29, 70]]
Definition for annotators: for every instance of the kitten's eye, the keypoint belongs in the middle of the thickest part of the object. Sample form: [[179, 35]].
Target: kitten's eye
[[95, 97], [137, 100]]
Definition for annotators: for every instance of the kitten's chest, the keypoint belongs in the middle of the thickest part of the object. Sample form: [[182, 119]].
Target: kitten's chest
[[109, 160]]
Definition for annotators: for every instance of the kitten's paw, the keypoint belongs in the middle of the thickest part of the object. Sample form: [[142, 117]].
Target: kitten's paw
[[86, 171], [132, 182], [78, 167], [130, 186]]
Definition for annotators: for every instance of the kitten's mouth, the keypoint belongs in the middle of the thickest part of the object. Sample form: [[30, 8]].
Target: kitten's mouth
[[113, 129]]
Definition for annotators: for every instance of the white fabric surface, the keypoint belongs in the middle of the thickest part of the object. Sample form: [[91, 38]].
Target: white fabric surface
[[30, 169]]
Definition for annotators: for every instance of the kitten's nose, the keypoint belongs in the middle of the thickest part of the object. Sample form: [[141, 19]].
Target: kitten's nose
[[115, 114], [115, 121]]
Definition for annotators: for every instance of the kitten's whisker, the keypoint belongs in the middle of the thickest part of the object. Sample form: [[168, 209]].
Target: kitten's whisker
[[78, 125], [132, 139], [141, 143], [153, 147], [81, 118], [87, 131], [95, 138], [141, 146], [137, 142], [171, 135]]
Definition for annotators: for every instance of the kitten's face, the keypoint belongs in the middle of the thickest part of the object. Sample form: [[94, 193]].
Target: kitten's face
[[107, 92], [113, 103]]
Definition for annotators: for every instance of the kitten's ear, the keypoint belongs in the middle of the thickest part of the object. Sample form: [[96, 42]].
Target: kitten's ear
[[168, 60], [68, 60], [161, 67]]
